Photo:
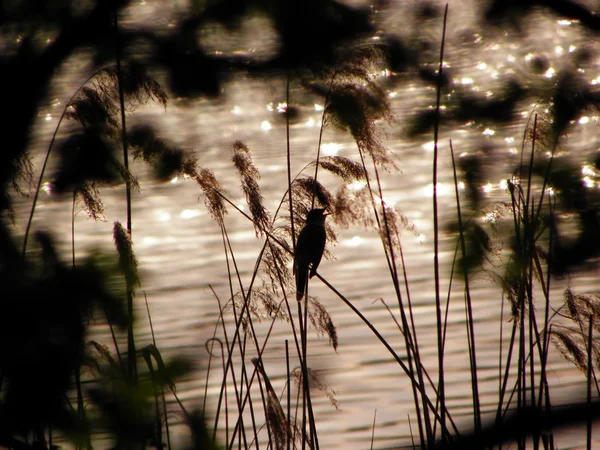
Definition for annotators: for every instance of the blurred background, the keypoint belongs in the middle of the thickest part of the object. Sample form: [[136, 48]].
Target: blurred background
[[224, 67]]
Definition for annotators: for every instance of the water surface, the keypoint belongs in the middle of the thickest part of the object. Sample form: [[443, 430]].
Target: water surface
[[180, 248]]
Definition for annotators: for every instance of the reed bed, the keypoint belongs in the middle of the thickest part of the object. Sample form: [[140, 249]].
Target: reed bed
[[128, 393]]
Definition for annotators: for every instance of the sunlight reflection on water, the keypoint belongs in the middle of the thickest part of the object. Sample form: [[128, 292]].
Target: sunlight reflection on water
[[180, 249]]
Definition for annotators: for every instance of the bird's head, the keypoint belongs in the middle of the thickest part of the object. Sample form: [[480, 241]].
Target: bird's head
[[316, 216]]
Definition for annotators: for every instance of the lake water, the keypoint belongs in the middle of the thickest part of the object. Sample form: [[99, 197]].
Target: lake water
[[180, 249]]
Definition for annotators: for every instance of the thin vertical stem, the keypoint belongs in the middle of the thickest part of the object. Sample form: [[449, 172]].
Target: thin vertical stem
[[394, 355], [436, 263], [314, 440], [162, 391], [411, 340], [304, 367], [312, 204], [80, 403], [131, 361], [390, 259], [73, 229], [45, 165], [289, 395], [373, 431], [469, 309], [589, 382], [289, 159]]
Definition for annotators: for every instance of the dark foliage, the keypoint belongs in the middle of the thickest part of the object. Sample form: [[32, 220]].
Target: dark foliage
[[474, 175], [465, 107], [46, 305], [513, 11], [86, 157], [571, 97], [524, 423], [166, 160]]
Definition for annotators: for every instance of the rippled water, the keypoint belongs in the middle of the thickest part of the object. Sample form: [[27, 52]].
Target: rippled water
[[180, 248]]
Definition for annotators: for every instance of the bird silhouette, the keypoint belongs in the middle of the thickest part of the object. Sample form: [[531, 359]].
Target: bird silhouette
[[309, 249]]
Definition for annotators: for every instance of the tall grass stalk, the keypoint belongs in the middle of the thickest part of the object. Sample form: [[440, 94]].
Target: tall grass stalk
[[238, 316], [38, 186], [436, 264], [236, 340], [288, 444], [161, 392], [523, 386], [527, 340], [373, 429], [131, 351], [468, 307], [411, 341], [229, 345], [420, 388], [590, 354], [247, 395]]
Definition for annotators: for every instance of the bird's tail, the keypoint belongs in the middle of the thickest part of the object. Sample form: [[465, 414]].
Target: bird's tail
[[301, 280]]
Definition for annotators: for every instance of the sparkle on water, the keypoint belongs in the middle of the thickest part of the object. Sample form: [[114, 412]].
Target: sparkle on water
[[182, 256], [331, 148]]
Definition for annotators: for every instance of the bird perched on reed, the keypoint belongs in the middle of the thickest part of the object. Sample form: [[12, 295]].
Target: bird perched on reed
[[309, 249]]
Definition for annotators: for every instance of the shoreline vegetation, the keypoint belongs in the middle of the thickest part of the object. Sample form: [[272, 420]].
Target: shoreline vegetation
[[57, 385]]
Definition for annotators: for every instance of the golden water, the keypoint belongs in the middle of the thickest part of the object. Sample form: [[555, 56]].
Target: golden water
[[180, 250]]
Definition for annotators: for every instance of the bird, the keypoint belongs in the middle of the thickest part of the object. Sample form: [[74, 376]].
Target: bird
[[309, 249]]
